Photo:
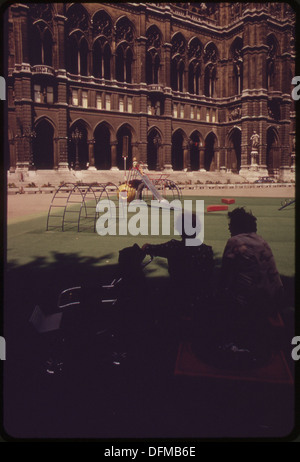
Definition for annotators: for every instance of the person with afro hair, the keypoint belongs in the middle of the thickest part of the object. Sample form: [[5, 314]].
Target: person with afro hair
[[250, 288]]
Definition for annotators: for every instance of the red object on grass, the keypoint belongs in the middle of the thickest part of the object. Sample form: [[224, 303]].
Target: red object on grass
[[189, 365], [228, 201], [216, 208]]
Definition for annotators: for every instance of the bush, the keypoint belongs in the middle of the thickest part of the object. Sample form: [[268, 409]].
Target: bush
[[48, 185], [12, 185], [31, 185]]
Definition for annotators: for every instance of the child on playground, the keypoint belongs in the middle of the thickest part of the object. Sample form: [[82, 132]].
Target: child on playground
[[137, 165]]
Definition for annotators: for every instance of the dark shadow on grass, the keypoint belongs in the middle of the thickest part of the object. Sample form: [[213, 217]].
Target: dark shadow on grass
[[142, 400]]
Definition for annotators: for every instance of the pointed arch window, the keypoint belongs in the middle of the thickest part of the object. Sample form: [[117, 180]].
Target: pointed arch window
[[194, 78], [177, 74], [47, 48], [152, 67], [42, 44], [83, 57], [77, 28], [101, 59], [194, 55], [124, 60], [78, 55], [153, 35], [237, 58], [209, 81], [210, 58], [177, 64]]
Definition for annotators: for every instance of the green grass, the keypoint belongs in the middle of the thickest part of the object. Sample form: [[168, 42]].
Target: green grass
[[28, 240], [40, 264]]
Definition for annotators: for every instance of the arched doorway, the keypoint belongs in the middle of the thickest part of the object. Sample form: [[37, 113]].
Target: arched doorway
[[177, 150], [122, 133], [209, 153], [78, 147], [273, 152], [154, 141], [234, 153], [42, 146], [102, 149]]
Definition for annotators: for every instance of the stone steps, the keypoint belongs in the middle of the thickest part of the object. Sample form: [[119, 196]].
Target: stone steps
[[55, 178]]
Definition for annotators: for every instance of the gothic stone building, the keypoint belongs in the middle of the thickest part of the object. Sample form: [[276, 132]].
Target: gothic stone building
[[181, 86]]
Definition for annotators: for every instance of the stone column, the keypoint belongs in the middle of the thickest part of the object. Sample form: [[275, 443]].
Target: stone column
[[157, 144], [222, 160], [55, 153], [91, 145], [201, 160], [159, 162], [62, 153], [20, 18], [59, 47], [136, 152], [63, 122], [113, 154], [19, 152], [12, 155], [167, 65], [186, 157], [167, 147], [141, 49], [217, 159], [113, 65]]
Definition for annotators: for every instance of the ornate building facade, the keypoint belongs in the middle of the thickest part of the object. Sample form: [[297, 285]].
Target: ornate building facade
[[185, 84]]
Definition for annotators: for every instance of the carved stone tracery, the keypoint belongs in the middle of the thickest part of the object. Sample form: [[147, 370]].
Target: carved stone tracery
[[153, 38], [124, 30], [102, 24], [178, 45], [195, 49], [210, 53], [41, 11], [77, 18]]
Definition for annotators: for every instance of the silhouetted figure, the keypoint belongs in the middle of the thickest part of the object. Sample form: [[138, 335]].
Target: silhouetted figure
[[249, 293], [249, 276], [190, 269]]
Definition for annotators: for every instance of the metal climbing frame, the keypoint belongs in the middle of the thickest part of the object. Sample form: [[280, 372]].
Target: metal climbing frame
[[74, 205], [170, 185], [286, 203]]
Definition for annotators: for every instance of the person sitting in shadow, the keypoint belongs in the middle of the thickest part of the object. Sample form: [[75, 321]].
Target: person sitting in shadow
[[190, 268], [249, 293]]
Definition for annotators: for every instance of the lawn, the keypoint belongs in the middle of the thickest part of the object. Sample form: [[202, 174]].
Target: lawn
[[28, 240], [41, 263]]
